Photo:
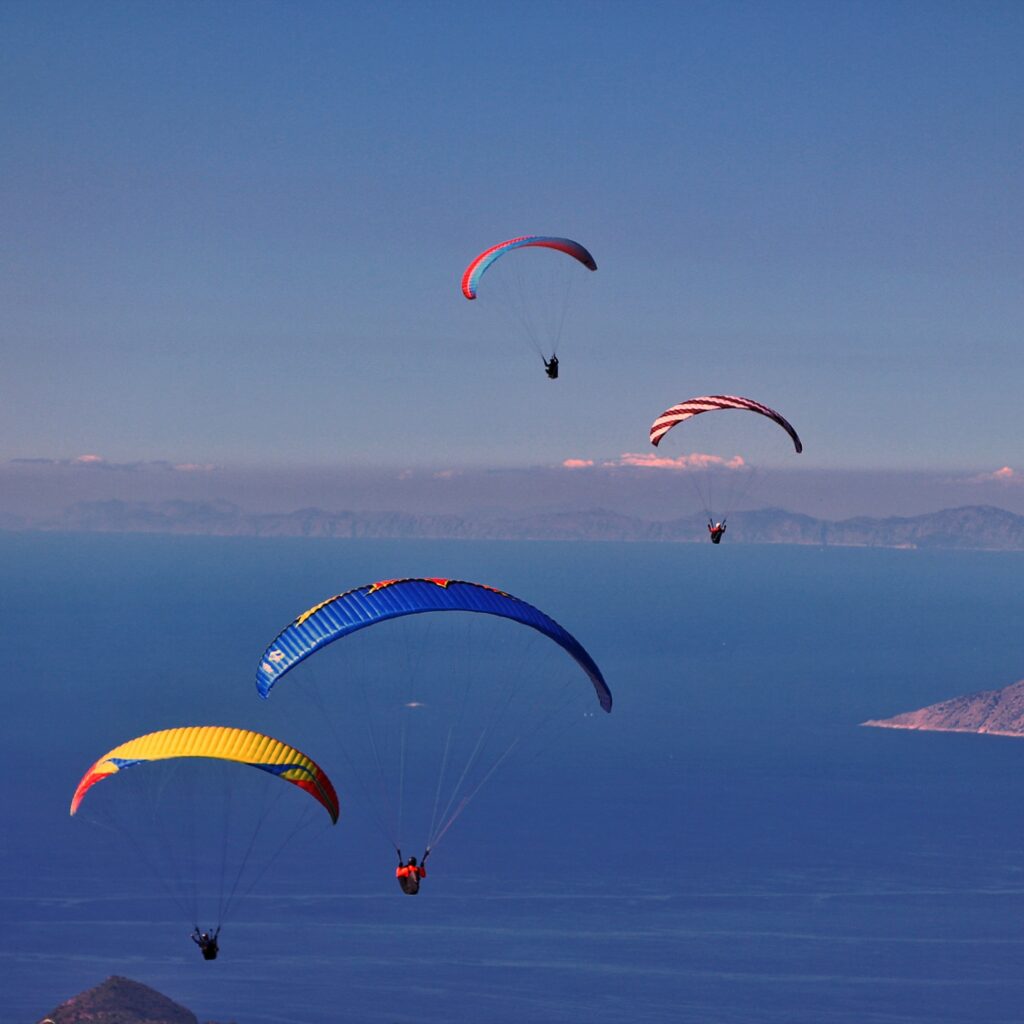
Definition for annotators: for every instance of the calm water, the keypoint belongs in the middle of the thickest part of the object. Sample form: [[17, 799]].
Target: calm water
[[728, 846]]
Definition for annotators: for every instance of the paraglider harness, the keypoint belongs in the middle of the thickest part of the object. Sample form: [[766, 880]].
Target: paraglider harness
[[551, 367], [206, 942], [409, 874], [716, 530]]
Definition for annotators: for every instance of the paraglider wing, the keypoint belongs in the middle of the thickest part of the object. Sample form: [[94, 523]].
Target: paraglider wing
[[473, 273], [709, 403], [345, 613], [220, 743]]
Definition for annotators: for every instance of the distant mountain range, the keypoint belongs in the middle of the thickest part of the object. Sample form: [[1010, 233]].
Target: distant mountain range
[[999, 712], [973, 527], [120, 1001]]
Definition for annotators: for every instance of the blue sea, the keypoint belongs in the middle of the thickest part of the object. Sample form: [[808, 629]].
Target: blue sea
[[727, 847]]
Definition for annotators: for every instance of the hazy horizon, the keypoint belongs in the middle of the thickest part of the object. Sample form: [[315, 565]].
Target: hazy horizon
[[47, 487]]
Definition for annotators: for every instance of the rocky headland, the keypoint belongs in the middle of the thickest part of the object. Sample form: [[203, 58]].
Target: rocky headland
[[999, 712]]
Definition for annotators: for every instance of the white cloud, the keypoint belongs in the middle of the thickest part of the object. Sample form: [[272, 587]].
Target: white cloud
[[651, 460], [695, 460]]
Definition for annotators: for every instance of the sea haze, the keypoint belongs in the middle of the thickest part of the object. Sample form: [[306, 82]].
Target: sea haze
[[727, 846]]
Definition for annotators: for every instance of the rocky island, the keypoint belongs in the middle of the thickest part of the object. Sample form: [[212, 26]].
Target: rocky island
[[120, 1001], [999, 712]]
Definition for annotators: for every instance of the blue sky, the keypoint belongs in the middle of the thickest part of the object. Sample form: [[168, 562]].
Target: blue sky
[[233, 233]]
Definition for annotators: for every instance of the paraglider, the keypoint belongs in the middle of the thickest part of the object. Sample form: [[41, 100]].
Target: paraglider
[[533, 293], [409, 873], [207, 942], [192, 817], [702, 472], [424, 707]]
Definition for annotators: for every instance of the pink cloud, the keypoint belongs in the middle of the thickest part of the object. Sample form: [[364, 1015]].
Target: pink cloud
[[577, 463], [89, 460], [446, 474], [1004, 475], [695, 460]]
